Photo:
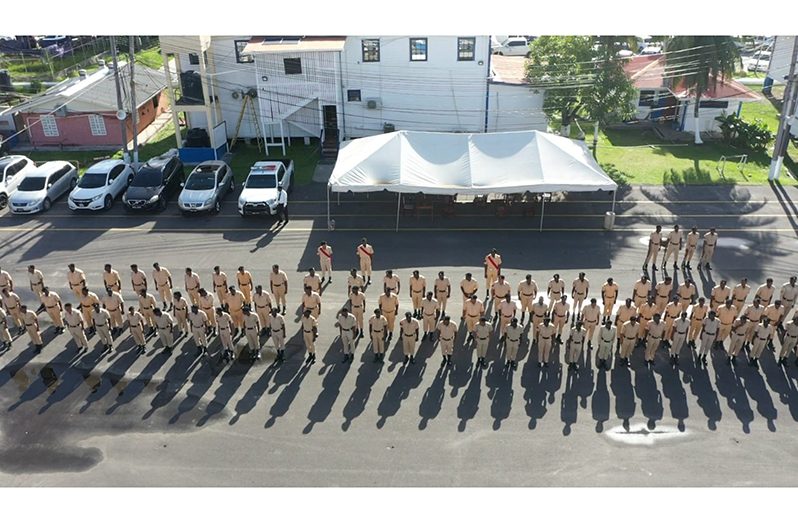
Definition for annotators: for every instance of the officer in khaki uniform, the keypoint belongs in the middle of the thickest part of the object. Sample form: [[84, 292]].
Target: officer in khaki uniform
[[499, 291], [738, 332], [325, 261], [430, 310], [263, 304], [474, 310], [244, 281], [646, 313], [180, 307], [697, 315], [709, 333], [389, 305], [220, 284], [443, 291], [199, 326], [761, 337], [609, 295], [482, 331], [377, 325], [365, 253], [654, 243], [513, 340], [775, 313], [347, 326], [590, 319], [544, 339], [625, 313], [32, 326], [788, 294], [76, 279], [36, 279], [672, 312], [192, 283], [447, 332], [506, 311], [87, 302], [163, 285], [5, 336], [277, 330], [576, 341], [76, 325], [312, 280], [357, 300], [102, 324], [111, 278], [136, 322], [629, 332], [663, 292], [654, 337], [720, 293], [278, 285], [6, 281], [754, 314], [740, 294], [641, 291], [690, 246], [409, 328], [147, 306], [165, 325], [678, 336], [113, 303], [561, 313], [54, 307], [527, 290], [726, 315], [686, 292], [251, 329], [225, 323], [789, 342], [418, 289], [391, 281], [555, 291], [539, 311], [579, 290], [138, 279], [710, 242], [310, 331], [606, 343], [493, 268], [672, 247], [353, 280], [468, 287], [235, 306], [311, 301], [12, 303]]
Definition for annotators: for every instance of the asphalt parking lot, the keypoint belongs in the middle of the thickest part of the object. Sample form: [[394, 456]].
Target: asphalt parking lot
[[159, 419]]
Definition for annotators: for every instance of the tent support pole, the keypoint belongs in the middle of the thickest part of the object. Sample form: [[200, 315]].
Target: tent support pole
[[398, 207], [328, 207], [613, 201], [542, 209]]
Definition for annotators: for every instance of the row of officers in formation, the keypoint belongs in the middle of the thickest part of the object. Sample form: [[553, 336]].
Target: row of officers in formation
[[651, 316]]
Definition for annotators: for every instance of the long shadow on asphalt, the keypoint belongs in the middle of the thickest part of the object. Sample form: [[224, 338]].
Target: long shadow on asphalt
[[408, 377], [469, 402], [432, 401], [283, 401], [367, 375]]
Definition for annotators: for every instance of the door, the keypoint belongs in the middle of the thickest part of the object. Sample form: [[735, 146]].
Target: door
[[330, 117], [116, 182]]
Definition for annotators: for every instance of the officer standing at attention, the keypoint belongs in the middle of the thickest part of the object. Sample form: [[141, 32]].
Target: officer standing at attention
[[590, 319], [656, 332], [761, 337], [206, 305], [493, 267], [348, 329], [720, 293], [180, 307], [562, 311], [447, 331], [325, 261], [609, 295], [115, 305], [389, 306], [312, 280], [36, 279], [672, 249], [76, 279], [689, 250], [357, 300], [482, 332], [726, 315], [377, 324], [697, 315], [709, 332], [391, 282], [672, 311], [219, 283], [738, 333], [235, 306], [102, 323], [765, 292], [469, 287], [87, 301], [576, 341], [418, 289], [686, 292], [277, 329], [409, 328], [607, 335], [710, 241], [740, 294], [555, 290], [252, 332], [430, 311], [311, 301], [646, 314], [790, 341], [6, 281], [678, 336], [365, 253], [12, 303], [579, 291], [663, 292], [244, 281], [282, 205], [278, 285], [499, 291], [506, 311], [514, 332], [166, 325], [263, 305], [52, 304], [539, 311], [199, 326], [136, 322], [32, 326], [138, 279], [625, 312], [654, 242], [628, 333], [353, 280], [310, 331], [5, 336], [111, 278], [789, 292], [146, 306], [225, 323], [545, 333], [163, 285], [76, 325], [474, 309], [443, 291], [192, 283], [527, 290], [641, 290]]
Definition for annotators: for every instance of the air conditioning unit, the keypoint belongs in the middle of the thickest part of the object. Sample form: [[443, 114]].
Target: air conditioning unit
[[372, 103]]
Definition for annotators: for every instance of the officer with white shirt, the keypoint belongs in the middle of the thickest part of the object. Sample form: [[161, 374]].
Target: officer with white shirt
[[282, 205]]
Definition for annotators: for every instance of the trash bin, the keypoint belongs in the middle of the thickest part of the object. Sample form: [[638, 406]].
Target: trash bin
[[609, 220]]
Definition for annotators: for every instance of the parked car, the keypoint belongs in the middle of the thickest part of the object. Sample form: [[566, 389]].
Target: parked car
[[154, 182], [652, 48], [259, 195], [514, 46], [100, 185], [42, 186], [12, 170], [759, 62], [205, 187]]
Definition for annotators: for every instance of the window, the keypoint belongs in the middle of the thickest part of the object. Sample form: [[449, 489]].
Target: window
[[241, 57], [97, 125], [465, 49], [713, 104], [49, 125], [371, 50], [115, 172], [647, 97], [292, 65], [353, 95], [418, 49], [193, 59]]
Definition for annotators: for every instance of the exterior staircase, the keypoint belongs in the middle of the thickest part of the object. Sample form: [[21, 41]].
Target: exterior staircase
[[329, 145]]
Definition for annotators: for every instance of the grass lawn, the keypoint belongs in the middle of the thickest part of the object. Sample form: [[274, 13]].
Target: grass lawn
[[305, 159]]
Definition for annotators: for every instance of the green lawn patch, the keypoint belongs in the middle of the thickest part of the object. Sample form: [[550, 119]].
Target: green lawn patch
[[305, 159]]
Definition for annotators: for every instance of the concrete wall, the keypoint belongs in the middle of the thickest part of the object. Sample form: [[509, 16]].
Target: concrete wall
[[706, 116], [515, 108]]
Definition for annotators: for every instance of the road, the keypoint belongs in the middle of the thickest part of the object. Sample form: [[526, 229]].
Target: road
[[156, 419]]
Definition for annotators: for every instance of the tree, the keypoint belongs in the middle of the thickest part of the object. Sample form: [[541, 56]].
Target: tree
[[698, 63]]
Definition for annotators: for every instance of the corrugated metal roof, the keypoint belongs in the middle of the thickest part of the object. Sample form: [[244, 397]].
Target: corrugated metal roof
[[294, 44]]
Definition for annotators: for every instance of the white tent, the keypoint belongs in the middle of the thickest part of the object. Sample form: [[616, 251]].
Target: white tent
[[457, 163]]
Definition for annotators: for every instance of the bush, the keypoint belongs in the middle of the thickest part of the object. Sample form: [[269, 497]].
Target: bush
[[750, 135]]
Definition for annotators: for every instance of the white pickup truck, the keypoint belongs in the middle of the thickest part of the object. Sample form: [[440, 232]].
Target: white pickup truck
[[259, 195]]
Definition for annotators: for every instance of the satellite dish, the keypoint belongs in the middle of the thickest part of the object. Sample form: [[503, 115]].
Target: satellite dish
[[121, 115]]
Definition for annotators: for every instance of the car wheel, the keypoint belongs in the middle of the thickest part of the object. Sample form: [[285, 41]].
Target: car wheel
[[108, 202], [217, 206], [528, 54], [500, 53], [47, 204], [3, 201]]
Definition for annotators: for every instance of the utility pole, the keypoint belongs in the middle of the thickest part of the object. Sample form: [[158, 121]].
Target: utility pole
[[119, 105], [134, 112], [787, 111]]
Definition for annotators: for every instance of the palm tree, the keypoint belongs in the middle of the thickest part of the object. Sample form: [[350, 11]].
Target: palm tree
[[698, 62]]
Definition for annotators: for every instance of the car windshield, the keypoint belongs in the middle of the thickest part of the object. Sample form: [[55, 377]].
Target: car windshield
[[201, 181], [92, 180], [261, 181], [32, 184], [147, 178]]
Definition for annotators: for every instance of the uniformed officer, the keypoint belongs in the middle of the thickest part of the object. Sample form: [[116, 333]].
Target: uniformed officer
[[32, 326], [576, 340], [499, 291], [789, 342], [493, 268], [607, 335], [36, 280], [138, 279], [192, 283], [347, 326], [5, 336], [263, 305], [754, 314], [225, 323], [443, 291], [244, 281], [708, 250], [625, 313], [447, 331], [641, 291], [469, 287], [136, 323], [115, 305], [102, 324], [353, 280], [430, 311], [545, 333], [654, 243], [720, 293], [474, 309], [389, 305], [672, 312], [87, 301], [180, 307], [311, 301], [555, 291], [539, 311], [391, 281], [527, 290], [774, 313], [6, 281], [77, 326], [357, 300], [663, 292], [590, 319], [506, 312], [697, 315], [678, 336], [561, 313], [645, 314], [54, 307], [673, 247], [740, 294], [709, 333], [687, 293], [409, 328], [220, 284], [312, 280], [165, 325], [147, 305], [789, 292], [277, 330], [765, 292], [76, 279], [513, 340], [278, 284], [163, 285], [689, 250], [418, 289], [609, 295], [628, 334], [252, 331], [482, 332], [310, 331], [579, 291], [365, 253], [738, 333], [377, 324], [726, 315], [325, 261], [655, 335], [199, 326], [111, 278], [235, 306], [761, 338], [12, 303]]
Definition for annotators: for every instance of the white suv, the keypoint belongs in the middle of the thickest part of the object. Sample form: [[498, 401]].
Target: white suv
[[100, 185], [514, 46], [12, 170]]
